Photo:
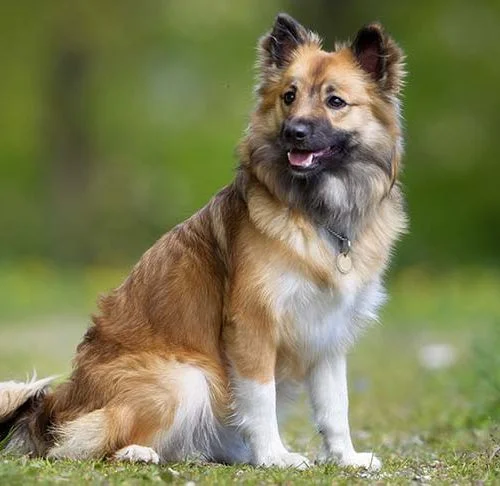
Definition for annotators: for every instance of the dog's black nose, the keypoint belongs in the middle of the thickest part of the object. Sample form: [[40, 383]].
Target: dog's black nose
[[296, 130]]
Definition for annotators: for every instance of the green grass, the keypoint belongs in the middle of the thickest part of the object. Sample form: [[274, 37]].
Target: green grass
[[437, 426]]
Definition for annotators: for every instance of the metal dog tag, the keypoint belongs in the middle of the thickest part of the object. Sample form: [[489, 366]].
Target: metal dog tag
[[344, 263]]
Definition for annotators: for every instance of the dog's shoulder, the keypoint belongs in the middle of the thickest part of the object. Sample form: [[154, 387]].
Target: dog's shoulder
[[290, 238]]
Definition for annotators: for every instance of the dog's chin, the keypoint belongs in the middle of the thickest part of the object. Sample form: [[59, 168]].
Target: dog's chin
[[308, 172]]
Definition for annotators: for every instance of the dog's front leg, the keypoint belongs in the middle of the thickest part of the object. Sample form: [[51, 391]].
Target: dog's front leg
[[255, 403], [327, 384], [253, 358]]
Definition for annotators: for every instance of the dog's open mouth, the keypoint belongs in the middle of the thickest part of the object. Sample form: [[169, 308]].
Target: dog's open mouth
[[303, 160]]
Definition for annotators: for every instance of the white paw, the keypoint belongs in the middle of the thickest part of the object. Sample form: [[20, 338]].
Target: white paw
[[284, 460], [137, 453], [367, 460]]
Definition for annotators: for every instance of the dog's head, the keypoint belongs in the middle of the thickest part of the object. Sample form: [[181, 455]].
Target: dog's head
[[326, 131]]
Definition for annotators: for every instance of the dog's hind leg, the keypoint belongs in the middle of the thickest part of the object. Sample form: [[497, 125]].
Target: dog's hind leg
[[90, 436], [113, 432], [162, 412], [123, 432]]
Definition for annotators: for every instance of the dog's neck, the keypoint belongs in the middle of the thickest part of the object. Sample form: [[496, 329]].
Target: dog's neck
[[340, 221], [337, 208]]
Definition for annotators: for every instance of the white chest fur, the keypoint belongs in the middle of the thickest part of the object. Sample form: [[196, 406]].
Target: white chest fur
[[317, 321]]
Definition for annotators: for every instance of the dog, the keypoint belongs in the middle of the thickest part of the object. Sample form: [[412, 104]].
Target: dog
[[263, 289]]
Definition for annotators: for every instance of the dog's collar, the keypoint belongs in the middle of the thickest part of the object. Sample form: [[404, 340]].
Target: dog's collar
[[345, 243], [343, 260]]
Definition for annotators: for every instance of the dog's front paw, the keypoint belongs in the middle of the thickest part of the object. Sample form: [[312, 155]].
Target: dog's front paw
[[367, 460], [284, 460]]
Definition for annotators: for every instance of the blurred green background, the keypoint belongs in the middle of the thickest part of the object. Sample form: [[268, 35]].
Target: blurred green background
[[120, 119]]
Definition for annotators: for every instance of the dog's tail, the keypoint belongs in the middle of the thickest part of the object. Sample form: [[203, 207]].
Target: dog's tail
[[23, 416]]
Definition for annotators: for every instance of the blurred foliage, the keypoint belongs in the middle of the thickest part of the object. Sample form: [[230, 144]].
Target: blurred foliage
[[119, 119], [483, 385]]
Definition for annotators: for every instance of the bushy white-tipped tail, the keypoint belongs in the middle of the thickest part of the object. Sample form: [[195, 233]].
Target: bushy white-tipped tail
[[14, 394]]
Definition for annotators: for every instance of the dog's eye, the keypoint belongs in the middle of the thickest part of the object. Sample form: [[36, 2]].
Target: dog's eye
[[336, 102], [289, 97]]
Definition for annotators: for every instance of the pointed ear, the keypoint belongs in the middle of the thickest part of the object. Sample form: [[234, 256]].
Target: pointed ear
[[277, 46], [380, 57]]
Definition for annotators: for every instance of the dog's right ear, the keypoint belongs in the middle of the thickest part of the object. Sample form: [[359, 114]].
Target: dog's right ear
[[277, 46]]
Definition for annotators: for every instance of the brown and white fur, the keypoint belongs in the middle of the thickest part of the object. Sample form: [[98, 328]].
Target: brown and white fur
[[236, 306]]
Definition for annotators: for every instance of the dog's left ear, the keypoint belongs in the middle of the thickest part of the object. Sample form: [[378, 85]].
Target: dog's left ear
[[379, 56]]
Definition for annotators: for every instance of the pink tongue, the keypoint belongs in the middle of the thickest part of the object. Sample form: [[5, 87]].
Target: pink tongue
[[300, 159], [303, 159]]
